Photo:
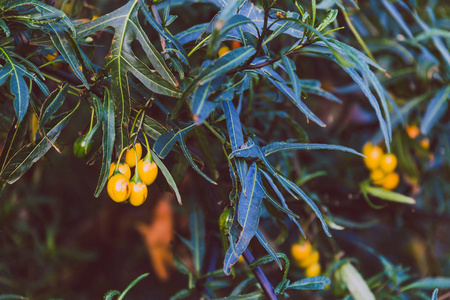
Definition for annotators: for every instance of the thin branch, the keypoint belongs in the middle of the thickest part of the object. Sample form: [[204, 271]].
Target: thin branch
[[158, 19], [260, 276]]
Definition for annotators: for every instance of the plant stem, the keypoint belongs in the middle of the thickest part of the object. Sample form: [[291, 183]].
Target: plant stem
[[222, 140], [260, 276]]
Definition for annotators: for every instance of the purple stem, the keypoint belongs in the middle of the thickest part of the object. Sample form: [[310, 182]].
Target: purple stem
[[260, 276]]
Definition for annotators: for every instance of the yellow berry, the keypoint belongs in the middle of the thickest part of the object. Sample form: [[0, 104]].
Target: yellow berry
[[425, 143], [313, 270], [373, 157], [388, 162], [130, 158], [223, 50], [138, 193], [391, 181], [377, 176], [147, 171], [123, 168], [301, 251], [118, 188], [310, 260]]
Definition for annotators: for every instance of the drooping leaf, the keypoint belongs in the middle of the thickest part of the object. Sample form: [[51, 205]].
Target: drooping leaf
[[53, 103], [108, 128], [283, 146], [29, 154], [197, 229], [167, 175], [122, 59], [220, 66], [248, 213], [436, 109]]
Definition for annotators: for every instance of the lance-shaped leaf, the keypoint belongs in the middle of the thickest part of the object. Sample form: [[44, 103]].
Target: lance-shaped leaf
[[191, 34], [52, 103], [283, 146], [311, 86], [220, 67], [167, 175], [70, 50], [291, 215], [290, 69], [279, 83], [435, 109], [164, 32], [313, 283], [108, 129], [166, 141], [121, 59], [294, 189], [13, 142], [46, 12], [197, 228], [202, 106], [17, 84], [268, 248], [28, 155], [236, 137], [249, 211]]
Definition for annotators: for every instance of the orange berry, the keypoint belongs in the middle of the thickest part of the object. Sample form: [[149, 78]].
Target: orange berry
[[310, 260], [130, 158], [391, 181], [313, 270], [425, 143], [301, 251], [373, 157], [412, 131]]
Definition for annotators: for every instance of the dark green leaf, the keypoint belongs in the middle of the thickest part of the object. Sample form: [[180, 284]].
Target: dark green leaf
[[52, 103]]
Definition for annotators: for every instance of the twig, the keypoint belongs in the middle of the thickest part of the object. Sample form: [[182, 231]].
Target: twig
[[260, 276]]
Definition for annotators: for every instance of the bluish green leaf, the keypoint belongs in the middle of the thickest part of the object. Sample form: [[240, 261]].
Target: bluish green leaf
[[202, 106], [131, 285], [436, 109], [52, 103], [109, 133], [249, 210], [220, 67], [284, 146], [191, 34], [197, 229], [262, 240], [429, 284], [236, 137], [435, 294], [167, 175], [312, 283], [28, 155], [17, 84], [279, 83]]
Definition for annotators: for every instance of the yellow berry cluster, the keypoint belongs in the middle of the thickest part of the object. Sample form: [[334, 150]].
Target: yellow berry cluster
[[382, 166], [120, 188], [306, 258]]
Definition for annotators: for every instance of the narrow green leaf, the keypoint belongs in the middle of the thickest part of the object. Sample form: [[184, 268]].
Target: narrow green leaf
[[429, 284], [108, 138], [52, 103], [28, 155], [132, 284], [355, 283], [388, 195], [167, 175]]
